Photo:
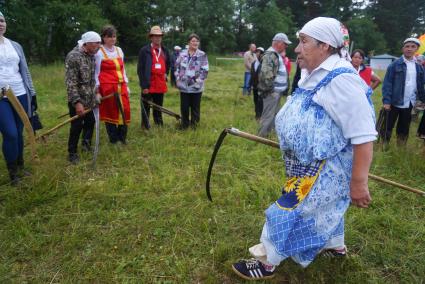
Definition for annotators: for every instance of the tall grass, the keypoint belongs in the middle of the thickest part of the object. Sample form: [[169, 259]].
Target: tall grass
[[142, 216]]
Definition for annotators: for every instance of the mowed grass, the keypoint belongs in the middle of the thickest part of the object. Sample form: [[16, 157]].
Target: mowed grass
[[143, 217]]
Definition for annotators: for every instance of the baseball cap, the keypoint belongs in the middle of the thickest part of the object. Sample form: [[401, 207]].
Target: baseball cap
[[282, 37]]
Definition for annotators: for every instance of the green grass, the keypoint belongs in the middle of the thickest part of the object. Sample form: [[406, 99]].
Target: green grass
[[143, 216]]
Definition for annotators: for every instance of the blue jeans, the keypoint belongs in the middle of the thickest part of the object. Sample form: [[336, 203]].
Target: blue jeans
[[11, 128], [247, 83]]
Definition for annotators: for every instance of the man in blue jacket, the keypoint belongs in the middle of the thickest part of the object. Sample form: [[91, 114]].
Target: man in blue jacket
[[403, 83]]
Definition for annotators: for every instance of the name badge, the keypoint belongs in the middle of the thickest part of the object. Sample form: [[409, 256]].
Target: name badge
[[157, 65]]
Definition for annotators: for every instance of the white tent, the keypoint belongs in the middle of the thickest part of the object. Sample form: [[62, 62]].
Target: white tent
[[381, 62]]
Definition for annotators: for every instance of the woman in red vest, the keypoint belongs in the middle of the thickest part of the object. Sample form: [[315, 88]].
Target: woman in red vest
[[367, 74], [112, 79]]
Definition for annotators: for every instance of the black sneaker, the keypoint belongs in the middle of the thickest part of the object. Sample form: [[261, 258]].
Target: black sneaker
[[335, 252], [252, 269], [73, 158]]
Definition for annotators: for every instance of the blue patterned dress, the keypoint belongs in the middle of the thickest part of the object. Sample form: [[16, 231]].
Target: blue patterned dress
[[318, 161]]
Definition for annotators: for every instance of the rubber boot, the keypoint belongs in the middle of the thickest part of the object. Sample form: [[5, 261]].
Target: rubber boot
[[21, 169], [12, 167]]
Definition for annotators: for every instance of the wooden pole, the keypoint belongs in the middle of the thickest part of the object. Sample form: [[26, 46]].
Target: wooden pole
[[162, 109], [274, 144], [42, 136]]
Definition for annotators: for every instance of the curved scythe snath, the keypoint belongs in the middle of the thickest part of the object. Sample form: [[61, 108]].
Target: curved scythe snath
[[237, 132]]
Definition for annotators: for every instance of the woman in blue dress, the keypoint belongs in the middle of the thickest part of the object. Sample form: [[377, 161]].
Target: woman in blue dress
[[326, 132]]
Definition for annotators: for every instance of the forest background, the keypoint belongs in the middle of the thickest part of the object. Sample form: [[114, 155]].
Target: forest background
[[49, 29]]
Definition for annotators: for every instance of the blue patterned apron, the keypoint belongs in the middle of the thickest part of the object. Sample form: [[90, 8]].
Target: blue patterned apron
[[318, 162]]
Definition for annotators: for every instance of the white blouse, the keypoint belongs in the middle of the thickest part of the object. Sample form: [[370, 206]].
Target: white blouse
[[344, 99], [112, 55], [9, 68]]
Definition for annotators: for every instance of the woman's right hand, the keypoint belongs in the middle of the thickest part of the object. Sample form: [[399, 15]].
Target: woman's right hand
[[359, 193], [79, 108]]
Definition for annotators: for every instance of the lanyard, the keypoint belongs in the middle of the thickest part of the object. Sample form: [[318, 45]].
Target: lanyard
[[156, 56]]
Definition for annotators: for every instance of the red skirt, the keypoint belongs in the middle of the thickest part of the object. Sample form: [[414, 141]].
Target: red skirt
[[109, 110]]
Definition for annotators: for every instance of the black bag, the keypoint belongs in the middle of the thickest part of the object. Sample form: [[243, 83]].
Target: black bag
[[35, 121], [381, 123]]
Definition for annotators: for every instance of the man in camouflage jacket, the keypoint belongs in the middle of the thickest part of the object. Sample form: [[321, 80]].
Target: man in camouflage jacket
[[81, 84], [272, 82]]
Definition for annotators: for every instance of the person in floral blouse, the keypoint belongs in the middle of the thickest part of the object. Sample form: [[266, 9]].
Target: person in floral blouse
[[191, 70]]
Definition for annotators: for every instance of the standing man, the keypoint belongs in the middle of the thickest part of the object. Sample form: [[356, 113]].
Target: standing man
[[249, 57], [174, 57], [152, 69], [403, 83], [81, 84], [272, 82]]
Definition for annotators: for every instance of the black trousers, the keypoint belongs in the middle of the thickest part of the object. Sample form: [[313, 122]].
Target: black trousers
[[421, 128], [83, 124], [190, 102], [116, 132], [403, 117], [258, 104], [157, 115]]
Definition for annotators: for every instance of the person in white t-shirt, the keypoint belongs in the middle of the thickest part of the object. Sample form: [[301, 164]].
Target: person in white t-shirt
[[14, 73]]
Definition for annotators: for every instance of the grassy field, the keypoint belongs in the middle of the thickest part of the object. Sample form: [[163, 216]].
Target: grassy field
[[143, 217]]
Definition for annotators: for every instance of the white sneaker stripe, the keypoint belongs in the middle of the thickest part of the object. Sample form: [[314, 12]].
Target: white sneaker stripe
[[252, 274], [259, 272]]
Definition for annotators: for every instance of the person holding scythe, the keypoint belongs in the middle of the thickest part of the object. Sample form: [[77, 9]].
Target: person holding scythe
[[327, 157], [111, 78], [81, 88], [152, 68], [14, 74]]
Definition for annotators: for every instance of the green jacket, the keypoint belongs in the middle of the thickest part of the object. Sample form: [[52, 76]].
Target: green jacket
[[268, 72], [79, 78]]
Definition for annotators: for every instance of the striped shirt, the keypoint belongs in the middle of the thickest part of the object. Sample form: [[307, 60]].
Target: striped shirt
[[281, 80]]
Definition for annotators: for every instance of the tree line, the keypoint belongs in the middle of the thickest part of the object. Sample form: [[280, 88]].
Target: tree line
[[49, 29]]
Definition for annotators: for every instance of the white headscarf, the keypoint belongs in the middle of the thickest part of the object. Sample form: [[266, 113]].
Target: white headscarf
[[89, 37], [330, 31]]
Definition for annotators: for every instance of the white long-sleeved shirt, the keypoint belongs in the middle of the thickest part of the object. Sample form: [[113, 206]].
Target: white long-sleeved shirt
[[344, 99], [117, 52]]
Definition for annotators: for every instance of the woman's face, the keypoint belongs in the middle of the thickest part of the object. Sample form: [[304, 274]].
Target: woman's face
[[310, 53], [2, 26], [357, 59], [193, 43], [110, 40]]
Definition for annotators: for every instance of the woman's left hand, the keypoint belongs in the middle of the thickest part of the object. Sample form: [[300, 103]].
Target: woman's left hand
[[359, 193]]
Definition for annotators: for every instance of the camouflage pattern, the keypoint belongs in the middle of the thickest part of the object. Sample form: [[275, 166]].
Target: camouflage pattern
[[79, 78], [268, 72]]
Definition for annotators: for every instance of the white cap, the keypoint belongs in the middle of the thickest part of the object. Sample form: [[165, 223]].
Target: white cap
[[282, 37], [89, 37], [324, 29], [177, 47], [412, 39], [261, 49]]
